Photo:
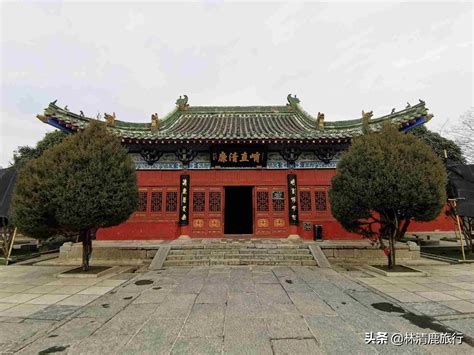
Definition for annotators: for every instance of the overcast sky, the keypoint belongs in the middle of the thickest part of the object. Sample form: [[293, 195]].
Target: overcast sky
[[137, 58]]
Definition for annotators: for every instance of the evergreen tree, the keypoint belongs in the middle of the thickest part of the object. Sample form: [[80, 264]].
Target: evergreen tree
[[384, 181], [84, 183], [26, 153], [440, 144]]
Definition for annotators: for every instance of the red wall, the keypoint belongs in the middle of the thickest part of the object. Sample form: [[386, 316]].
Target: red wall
[[441, 224], [165, 226]]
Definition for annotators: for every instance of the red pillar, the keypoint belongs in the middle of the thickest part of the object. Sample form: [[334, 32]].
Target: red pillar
[[184, 232], [293, 231]]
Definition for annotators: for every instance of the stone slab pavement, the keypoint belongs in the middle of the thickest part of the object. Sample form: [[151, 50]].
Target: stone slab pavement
[[447, 291], [219, 310]]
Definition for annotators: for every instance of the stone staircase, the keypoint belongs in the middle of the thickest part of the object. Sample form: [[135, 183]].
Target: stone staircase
[[288, 254]]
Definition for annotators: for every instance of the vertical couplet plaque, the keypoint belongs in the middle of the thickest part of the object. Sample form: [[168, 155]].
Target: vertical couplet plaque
[[184, 200], [292, 199]]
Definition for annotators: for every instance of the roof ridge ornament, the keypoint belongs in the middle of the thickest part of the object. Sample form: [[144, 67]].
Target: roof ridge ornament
[[155, 123], [110, 119], [292, 100], [366, 116], [182, 102], [320, 120]]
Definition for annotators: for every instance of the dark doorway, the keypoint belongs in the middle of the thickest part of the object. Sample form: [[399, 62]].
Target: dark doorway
[[238, 210]]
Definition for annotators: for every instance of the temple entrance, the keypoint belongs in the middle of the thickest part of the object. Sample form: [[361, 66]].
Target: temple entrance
[[238, 210]]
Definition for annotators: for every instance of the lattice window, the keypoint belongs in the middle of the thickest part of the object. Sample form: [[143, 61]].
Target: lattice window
[[320, 198], [142, 199], [171, 201], [279, 203], [305, 201], [199, 201], [214, 201], [156, 201], [262, 201]]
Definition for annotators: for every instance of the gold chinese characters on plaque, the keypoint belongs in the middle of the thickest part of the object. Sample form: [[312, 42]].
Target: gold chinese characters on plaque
[[238, 156], [184, 200], [292, 201]]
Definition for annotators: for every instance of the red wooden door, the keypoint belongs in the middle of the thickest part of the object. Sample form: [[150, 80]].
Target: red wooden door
[[271, 211], [206, 211], [215, 224]]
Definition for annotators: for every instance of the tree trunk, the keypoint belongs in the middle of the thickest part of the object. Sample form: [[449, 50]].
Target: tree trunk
[[467, 228], [86, 248], [392, 251], [6, 234]]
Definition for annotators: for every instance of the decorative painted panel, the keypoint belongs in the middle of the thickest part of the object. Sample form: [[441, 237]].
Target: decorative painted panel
[[169, 161], [278, 222], [198, 223], [214, 223]]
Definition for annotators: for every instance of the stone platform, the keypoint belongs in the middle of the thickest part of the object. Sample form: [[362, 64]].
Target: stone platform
[[230, 251]]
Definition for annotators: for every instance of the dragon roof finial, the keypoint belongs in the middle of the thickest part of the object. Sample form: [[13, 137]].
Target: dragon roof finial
[[366, 116], [292, 100], [182, 102]]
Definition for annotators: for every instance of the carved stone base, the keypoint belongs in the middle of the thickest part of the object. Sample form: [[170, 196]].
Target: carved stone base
[[184, 237], [294, 237]]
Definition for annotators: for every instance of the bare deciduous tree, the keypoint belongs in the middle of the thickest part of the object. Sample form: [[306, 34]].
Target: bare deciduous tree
[[462, 132]]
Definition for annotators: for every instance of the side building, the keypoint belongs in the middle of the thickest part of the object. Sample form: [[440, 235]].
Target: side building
[[256, 171]]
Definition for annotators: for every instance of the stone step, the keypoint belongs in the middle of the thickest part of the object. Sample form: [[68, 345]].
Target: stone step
[[186, 263], [241, 251], [240, 246], [239, 262], [278, 262], [242, 256]]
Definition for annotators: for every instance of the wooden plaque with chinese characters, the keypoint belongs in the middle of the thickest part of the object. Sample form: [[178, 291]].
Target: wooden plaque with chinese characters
[[184, 200], [246, 156]]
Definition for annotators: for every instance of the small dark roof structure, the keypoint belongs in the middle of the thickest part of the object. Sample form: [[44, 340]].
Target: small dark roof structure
[[7, 183], [284, 123], [461, 188]]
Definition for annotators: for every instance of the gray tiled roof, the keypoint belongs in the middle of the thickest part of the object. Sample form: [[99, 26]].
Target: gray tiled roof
[[284, 123]]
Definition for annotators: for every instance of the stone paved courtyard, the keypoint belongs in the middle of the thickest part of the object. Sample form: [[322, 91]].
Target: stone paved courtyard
[[235, 310]]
